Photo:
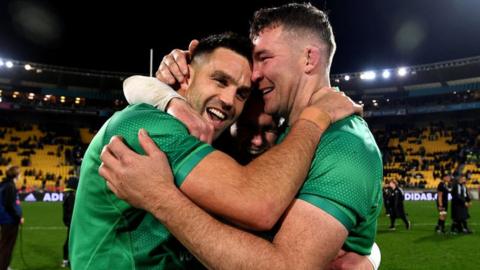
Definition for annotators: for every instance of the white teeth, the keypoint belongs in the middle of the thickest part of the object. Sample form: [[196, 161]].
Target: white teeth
[[220, 115], [267, 90]]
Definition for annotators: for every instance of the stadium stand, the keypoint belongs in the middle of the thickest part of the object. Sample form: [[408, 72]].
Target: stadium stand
[[425, 121]]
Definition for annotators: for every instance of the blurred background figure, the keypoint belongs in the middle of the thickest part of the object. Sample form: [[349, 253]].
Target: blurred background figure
[[387, 193], [68, 203], [442, 202], [460, 203], [10, 216], [397, 209]]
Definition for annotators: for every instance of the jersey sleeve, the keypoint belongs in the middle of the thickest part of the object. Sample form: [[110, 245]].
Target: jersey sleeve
[[345, 182], [184, 151]]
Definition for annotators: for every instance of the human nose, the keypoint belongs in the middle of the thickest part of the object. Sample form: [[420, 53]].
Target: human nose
[[257, 140], [256, 72], [228, 98]]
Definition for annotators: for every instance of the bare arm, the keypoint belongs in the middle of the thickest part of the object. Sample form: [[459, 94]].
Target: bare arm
[[299, 244]]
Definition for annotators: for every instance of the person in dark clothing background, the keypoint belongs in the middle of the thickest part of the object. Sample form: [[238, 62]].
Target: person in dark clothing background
[[442, 202], [10, 216], [387, 193], [396, 203], [68, 203], [460, 203]]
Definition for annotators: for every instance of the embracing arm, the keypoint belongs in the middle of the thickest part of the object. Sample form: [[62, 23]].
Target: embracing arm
[[299, 244], [257, 194]]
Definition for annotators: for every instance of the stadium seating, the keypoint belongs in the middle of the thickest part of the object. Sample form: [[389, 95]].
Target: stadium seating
[[46, 159]]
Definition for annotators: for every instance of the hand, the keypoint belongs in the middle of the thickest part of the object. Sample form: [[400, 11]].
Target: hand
[[336, 104], [350, 260], [196, 124], [141, 180], [174, 66], [22, 220]]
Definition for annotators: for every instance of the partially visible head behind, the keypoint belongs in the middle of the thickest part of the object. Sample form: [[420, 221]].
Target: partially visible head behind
[[255, 131], [12, 173], [393, 184], [72, 182], [300, 19], [219, 82]]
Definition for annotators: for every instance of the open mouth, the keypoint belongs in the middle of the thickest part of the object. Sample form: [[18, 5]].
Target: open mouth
[[267, 90], [216, 114]]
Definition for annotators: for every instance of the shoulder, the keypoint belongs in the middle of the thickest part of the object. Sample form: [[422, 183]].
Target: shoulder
[[350, 134], [130, 120]]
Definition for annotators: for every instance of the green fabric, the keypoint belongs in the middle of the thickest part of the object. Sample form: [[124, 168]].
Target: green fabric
[[347, 172], [106, 232]]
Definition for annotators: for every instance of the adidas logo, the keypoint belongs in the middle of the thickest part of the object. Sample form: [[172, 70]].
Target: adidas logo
[[30, 198]]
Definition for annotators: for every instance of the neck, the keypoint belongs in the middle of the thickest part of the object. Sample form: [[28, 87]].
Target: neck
[[304, 94]]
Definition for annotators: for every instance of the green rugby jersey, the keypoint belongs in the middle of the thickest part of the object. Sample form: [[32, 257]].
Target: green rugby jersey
[[106, 232], [345, 180]]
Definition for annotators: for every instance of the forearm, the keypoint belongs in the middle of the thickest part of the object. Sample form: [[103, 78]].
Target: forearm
[[277, 175], [256, 195], [212, 242]]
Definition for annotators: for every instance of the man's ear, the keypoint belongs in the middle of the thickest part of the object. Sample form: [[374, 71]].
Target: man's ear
[[312, 58]]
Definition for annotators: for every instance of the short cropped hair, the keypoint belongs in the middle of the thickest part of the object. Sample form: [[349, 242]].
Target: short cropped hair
[[228, 40], [295, 16]]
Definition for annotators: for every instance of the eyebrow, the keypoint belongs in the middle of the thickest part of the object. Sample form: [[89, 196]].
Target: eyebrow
[[222, 75]]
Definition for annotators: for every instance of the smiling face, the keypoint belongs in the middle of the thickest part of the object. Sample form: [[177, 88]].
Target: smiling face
[[219, 86], [277, 68]]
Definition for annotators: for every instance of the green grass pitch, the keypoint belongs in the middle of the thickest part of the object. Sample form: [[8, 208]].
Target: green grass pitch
[[43, 235]]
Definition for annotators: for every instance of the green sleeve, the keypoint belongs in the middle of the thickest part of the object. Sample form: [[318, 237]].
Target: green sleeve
[[184, 151], [345, 180]]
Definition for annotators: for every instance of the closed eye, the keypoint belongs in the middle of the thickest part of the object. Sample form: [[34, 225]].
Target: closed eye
[[243, 93]]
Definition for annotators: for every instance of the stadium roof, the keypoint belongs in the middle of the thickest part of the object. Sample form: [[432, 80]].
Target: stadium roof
[[117, 36]]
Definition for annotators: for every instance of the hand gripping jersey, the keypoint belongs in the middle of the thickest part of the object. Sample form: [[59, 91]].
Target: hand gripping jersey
[[106, 232]]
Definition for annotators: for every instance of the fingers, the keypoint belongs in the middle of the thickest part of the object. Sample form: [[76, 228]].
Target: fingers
[[181, 59], [104, 172], [106, 156], [192, 46], [358, 109], [170, 67], [163, 74], [174, 66], [147, 143], [117, 147], [114, 190]]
